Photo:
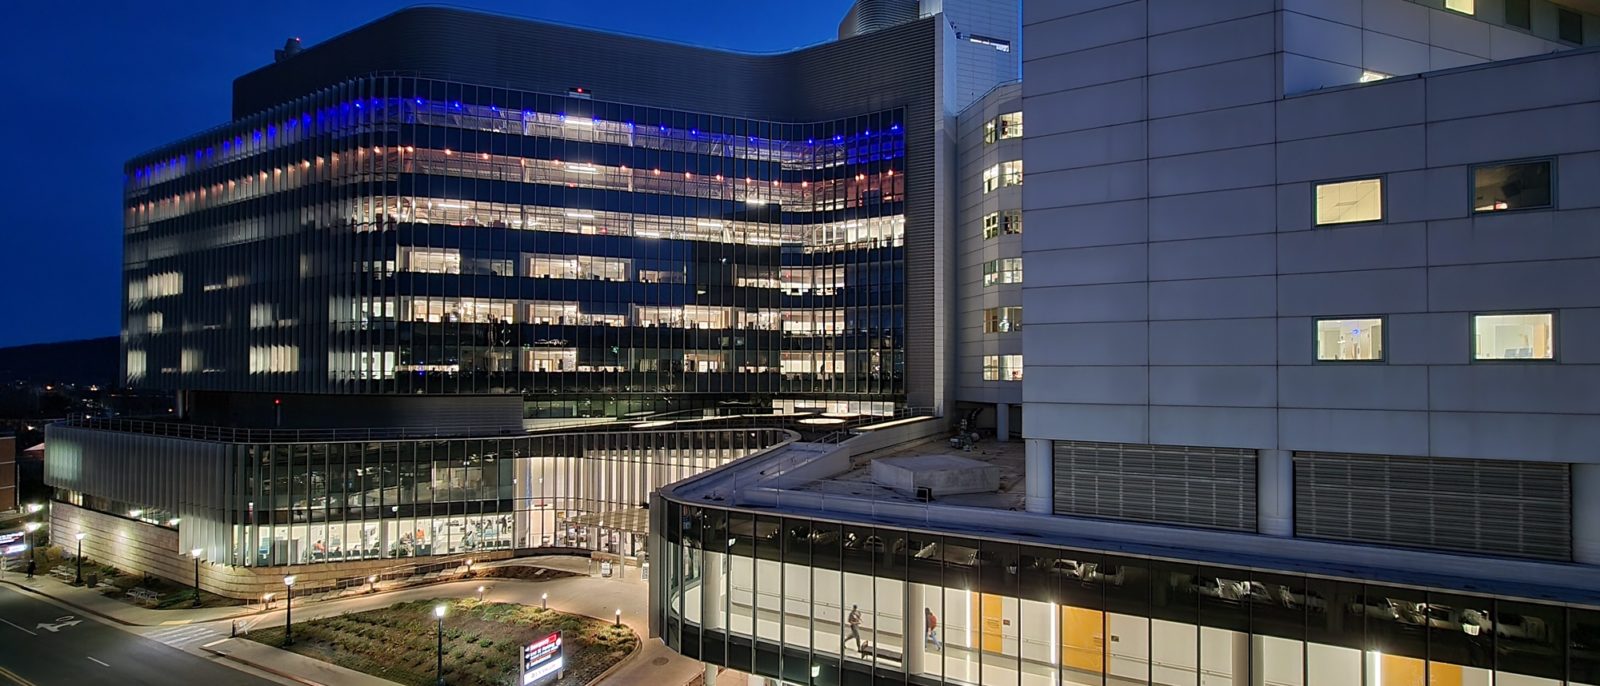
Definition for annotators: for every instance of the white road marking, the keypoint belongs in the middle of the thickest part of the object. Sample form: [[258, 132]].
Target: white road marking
[[102, 664], [183, 635], [18, 628]]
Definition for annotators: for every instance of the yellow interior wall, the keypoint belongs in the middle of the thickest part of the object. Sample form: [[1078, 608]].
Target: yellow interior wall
[[1402, 671], [1083, 639]]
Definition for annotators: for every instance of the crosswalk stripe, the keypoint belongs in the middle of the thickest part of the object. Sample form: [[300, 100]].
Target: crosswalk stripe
[[184, 635]]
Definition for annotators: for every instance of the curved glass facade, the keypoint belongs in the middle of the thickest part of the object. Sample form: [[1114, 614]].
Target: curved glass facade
[[819, 602], [400, 235], [301, 503]]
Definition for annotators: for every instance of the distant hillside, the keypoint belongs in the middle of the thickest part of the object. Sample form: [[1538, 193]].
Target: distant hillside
[[89, 361]]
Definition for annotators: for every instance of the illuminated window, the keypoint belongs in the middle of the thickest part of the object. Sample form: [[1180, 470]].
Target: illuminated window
[[274, 358], [1004, 270], [996, 43], [189, 360], [1008, 125], [1462, 6], [136, 364], [1347, 202], [1347, 340], [164, 284], [1514, 336], [1002, 319], [1002, 367], [261, 316], [1003, 174], [1011, 222], [430, 260], [1007, 222], [1520, 186]]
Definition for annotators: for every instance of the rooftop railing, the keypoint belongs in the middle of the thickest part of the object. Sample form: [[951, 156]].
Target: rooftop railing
[[837, 430]]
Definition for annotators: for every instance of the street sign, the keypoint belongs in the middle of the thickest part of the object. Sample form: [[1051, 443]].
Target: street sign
[[14, 548], [541, 660], [10, 537]]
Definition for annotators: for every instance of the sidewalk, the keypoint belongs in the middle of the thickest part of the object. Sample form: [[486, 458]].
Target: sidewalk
[[292, 666], [595, 597], [90, 600]]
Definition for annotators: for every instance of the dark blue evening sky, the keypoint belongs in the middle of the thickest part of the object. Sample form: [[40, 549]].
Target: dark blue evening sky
[[90, 84]]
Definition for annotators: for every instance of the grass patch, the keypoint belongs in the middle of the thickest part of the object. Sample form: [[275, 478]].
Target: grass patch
[[524, 572], [482, 641], [169, 596]]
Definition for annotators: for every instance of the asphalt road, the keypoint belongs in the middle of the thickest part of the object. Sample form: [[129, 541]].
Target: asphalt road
[[42, 644]]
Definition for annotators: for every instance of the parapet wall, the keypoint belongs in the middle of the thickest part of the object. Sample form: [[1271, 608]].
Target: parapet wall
[[140, 548]]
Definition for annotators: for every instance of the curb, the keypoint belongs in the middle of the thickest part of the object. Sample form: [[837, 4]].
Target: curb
[[638, 647], [73, 605], [270, 670]]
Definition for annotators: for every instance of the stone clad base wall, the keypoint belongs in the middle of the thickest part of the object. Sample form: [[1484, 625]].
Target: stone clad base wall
[[140, 548]]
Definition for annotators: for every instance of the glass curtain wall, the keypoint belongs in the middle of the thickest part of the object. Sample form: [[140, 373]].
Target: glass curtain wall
[[444, 222], [823, 603], [300, 503]]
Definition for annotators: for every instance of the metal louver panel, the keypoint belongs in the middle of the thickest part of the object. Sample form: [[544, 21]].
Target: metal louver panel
[[1209, 487], [1500, 507]]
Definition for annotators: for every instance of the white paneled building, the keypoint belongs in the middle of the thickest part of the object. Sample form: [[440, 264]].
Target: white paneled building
[[1338, 254]]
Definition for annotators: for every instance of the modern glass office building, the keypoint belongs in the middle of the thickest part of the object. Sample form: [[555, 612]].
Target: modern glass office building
[[609, 238], [397, 235], [272, 499], [422, 239]]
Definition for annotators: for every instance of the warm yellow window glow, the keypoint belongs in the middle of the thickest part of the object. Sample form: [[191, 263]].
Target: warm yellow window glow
[[1345, 202], [1345, 340], [1514, 336], [1002, 367], [1462, 6]]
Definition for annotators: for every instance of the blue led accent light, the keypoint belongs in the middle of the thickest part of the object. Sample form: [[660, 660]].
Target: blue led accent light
[[893, 144]]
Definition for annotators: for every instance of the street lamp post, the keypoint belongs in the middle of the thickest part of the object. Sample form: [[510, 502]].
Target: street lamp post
[[372, 583], [80, 536], [33, 535], [480, 594], [288, 610], [438, 612], [195, 553], [544, 601], [619, 618]]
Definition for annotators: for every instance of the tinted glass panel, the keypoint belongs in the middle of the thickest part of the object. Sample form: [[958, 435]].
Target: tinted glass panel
[[1520, 186]]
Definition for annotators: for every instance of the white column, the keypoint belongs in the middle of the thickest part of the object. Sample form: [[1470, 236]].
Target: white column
[[915, 636], [711, 674], [713, 590], [1039, 476], [1275, 493], [1586, 514], [1002, 422]]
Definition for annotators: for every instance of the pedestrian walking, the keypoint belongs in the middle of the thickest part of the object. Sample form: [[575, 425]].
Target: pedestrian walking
[[33, 565], [855, 626], [931, 623]]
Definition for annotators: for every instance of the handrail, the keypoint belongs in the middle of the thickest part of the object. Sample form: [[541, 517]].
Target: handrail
[[236, 435], [163, 427]]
